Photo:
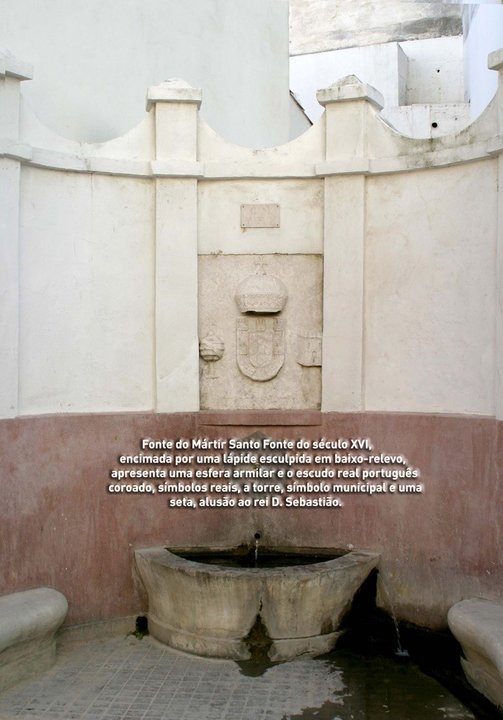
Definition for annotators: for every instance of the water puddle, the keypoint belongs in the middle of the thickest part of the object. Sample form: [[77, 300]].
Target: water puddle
[[372, 688], [380, 688]]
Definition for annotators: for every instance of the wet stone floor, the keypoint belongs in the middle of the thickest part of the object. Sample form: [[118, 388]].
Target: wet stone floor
[[133, 679]]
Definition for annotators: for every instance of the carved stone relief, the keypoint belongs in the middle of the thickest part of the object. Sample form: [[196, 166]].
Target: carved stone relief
[[261, 293], [211, 349], [260, 347], [260, 312], [309, 350]]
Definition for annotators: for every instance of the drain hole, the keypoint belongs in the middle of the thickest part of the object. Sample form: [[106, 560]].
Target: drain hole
[[141, 626]]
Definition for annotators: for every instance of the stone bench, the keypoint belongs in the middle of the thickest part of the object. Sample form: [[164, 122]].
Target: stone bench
[[477, 624], [28, 622]]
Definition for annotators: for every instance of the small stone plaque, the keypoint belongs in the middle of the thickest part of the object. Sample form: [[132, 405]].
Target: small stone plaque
[[260, 216]]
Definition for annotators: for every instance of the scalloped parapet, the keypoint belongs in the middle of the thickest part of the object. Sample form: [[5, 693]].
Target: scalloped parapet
[[173, 141]]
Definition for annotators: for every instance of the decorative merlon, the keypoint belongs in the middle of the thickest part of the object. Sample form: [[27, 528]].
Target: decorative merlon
[[350, 88], [174, 90], [10, 66], [495, 60]]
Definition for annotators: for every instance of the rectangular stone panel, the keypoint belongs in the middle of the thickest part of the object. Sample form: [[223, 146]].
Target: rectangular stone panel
[[250, 360], [260, 215]]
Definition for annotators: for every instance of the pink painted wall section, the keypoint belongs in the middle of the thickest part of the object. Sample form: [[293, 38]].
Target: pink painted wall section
[[60, 527]]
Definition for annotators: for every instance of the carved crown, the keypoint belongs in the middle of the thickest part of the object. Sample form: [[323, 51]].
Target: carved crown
[[261, 294]]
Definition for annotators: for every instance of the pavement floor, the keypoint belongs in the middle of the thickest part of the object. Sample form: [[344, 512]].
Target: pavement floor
[[127, 678]]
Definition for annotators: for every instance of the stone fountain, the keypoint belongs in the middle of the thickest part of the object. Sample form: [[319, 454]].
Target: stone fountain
[[216, 611]]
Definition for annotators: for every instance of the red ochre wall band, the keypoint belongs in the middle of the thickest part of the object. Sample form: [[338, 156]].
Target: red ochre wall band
[[61, 527]]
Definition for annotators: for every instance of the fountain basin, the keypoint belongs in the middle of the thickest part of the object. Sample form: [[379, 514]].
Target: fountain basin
[[214, 611]]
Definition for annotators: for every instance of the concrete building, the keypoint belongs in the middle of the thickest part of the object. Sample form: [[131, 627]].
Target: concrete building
[[482, 33], [429, 60]]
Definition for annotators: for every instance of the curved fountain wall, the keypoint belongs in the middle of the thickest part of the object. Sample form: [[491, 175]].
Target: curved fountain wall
[[100, 326]]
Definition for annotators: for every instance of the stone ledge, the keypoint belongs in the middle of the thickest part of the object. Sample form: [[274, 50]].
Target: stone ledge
[[260, 418], [28, 622], [477, 624]]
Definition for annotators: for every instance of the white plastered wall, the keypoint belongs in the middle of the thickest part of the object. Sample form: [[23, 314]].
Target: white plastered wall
[[86, 294], [109, 237], [430, 290]]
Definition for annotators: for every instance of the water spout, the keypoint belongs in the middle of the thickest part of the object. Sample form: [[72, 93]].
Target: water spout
[[257, 538], [400, 651]]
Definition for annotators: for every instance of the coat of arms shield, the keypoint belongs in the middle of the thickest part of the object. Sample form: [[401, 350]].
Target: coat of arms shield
[[260, 346]]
